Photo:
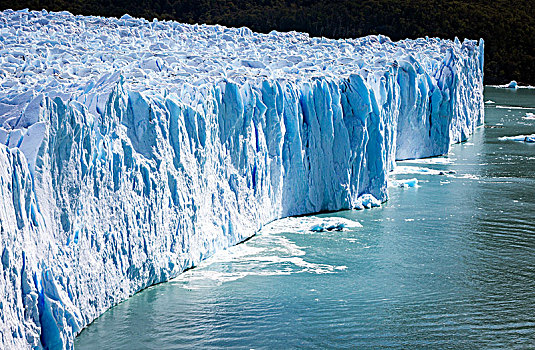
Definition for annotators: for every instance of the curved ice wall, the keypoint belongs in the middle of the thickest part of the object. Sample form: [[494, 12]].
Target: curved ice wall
[[131, 150]]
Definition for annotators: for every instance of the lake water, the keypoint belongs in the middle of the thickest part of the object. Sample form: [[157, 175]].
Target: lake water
[[450, 264]]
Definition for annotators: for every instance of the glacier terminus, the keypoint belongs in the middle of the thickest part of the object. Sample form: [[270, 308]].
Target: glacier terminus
[[130, 150]]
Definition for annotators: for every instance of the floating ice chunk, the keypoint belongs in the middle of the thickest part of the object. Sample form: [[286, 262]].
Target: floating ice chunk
[[306, 224], [514, 107], [519, 138], [329, 226], [367, 201], [512, 85], [408, 183], [505, 86], [489, 102]]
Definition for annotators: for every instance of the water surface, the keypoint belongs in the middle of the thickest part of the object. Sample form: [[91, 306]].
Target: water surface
[[450, 264]]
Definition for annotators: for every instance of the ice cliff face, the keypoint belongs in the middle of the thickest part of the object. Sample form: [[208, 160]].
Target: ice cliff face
[[131, 150]]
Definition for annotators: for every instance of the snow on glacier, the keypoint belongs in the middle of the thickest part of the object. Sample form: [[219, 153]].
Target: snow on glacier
[[131, 150]]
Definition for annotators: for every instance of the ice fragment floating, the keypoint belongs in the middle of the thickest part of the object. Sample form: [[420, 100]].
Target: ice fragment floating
[[519, 138]]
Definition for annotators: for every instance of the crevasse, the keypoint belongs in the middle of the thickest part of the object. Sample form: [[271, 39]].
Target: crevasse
[[131, 150]]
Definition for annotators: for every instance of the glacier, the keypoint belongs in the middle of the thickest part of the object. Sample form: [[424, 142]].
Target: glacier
[[130, 150]]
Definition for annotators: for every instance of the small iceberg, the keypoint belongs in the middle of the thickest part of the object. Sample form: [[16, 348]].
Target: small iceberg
[[333, 224], [520, 138], [328, 227], [489, 102], [410, 183], [512, 85], [308, 224], [407, 183], [367, 201]]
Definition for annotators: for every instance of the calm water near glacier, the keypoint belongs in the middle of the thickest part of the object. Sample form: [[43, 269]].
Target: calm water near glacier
[[450, 264]]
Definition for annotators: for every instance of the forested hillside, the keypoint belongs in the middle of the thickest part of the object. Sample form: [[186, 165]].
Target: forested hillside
[[508, 27]]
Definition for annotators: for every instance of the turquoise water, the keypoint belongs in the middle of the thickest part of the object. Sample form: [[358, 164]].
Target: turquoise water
[[450, 264]]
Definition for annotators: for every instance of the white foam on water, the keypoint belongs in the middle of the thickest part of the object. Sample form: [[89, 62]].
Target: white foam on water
[[515, 107], [468, 176], [407, 169], [305, 224], [267, 254], [432, 160], [507, 86]]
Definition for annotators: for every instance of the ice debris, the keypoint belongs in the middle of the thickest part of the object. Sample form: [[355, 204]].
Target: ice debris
[[408, 183], [308, 224], [367, 201], [519, 138], [131, 150], [512, 85], [334, 225]]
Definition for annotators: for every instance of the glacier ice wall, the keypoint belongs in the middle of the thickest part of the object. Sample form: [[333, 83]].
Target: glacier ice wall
[[131, 150]]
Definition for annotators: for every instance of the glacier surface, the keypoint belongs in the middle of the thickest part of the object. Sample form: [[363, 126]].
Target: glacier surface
[[131, 150]]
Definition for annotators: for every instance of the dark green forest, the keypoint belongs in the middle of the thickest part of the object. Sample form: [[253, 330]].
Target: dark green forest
[[508, 27]]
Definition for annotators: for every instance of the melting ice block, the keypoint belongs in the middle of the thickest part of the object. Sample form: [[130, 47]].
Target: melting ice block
[[408, 183], [307, 224], [131, 150], [519, 138], [512, 85]]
